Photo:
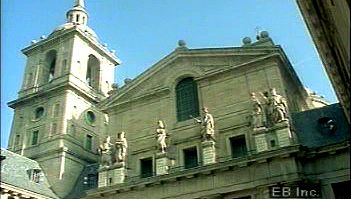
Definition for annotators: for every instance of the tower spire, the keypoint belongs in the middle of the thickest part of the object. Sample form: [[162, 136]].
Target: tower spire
[[77, 15], [79, 3]]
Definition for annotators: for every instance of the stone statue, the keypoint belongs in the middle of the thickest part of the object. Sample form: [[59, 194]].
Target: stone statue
[[121, 146], [277, 107], [207, 124], [257, 120], [161, 136], [105, 152]]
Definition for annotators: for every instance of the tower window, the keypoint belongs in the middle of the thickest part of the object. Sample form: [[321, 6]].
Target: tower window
[[49, 70], [187, 99], [238, 146], [89, 77], [273, 144], [190, 158], [89, 142], [17, 138], [90, 117], [92, 77], [35, 136], [146, 167], [77, 18], [83, 20], [39, 112], [52, 69]]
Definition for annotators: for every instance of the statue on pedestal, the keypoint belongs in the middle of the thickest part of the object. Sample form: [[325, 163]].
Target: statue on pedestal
[[208, 125], [257, 120], [277, 107], [161, 136], [105, 152], [121, 147]]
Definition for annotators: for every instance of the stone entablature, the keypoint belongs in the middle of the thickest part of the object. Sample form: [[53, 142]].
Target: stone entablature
[[235, 168]]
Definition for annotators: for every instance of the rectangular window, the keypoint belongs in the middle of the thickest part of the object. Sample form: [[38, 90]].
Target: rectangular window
[[190, 158], [89, 142], [35, 135], [146, 167], [238, 146]]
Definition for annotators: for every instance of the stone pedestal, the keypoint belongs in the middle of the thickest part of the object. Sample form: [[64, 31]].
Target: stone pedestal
[[208, 152], [103, 177], [261, 142], [260, 138], [162, 164], [284, 137], [117, 173]]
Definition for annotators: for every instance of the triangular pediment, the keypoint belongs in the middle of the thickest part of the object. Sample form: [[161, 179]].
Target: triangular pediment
[[163, 75]]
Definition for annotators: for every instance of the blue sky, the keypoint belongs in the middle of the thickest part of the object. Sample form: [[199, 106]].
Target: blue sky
[[144, 31]]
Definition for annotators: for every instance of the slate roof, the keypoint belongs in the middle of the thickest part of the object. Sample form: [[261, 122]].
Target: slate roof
[[311, 131], [15, 171]]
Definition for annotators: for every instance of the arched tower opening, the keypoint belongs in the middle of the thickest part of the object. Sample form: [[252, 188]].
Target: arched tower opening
[[93, 72], [50, 66]]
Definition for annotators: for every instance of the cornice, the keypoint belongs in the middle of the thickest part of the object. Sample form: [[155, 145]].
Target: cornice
[[181, 53], [72, 31]]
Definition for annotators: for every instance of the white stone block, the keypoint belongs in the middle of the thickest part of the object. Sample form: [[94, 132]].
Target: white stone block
[[118, 175], [261, 143], [102, 182], [162, 165], [208, 152]]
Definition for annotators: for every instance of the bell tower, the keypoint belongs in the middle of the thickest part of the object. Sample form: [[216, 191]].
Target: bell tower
[[56, 121]]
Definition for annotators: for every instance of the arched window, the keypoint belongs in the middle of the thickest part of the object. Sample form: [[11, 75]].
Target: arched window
[[49, 71], [93, 72], [187, 99]]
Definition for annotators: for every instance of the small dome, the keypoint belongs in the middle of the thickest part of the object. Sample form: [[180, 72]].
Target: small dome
[[247, 40], [181, 43], [264, 34]]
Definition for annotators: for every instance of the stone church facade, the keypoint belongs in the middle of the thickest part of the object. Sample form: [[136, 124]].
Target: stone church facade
[[230, 125]]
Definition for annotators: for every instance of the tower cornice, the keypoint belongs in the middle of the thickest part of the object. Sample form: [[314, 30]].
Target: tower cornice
[[73, 30]]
